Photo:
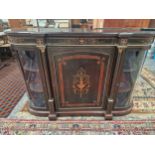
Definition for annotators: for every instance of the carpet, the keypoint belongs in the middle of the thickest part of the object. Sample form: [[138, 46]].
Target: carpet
[[12, 87], [143, 97], [149, 76], [77, 127]]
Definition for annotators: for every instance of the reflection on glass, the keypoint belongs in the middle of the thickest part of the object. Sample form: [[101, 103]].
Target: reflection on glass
[[30, 60], [131, 67]]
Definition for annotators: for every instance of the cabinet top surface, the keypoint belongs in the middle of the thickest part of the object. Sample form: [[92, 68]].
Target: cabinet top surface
[[113, 32]]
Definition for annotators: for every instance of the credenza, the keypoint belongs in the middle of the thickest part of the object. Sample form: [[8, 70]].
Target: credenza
[[79, 72]]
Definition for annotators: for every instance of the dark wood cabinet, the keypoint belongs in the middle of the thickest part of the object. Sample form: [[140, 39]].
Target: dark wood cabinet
[[78, 72]]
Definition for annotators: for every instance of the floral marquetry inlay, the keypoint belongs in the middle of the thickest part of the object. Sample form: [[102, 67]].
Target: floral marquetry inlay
[[81, 82]]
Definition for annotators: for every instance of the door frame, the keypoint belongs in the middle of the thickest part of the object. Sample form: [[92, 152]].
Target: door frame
[[59, 50]]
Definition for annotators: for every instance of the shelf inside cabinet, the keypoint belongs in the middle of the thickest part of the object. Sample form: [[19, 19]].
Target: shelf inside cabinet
[[31, 68], [124, 87], [123, 90], [129, 70], [36, 87]]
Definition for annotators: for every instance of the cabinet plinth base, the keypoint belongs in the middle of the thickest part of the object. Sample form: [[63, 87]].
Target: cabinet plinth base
[[122, 112], [96, 113], [38, 112]]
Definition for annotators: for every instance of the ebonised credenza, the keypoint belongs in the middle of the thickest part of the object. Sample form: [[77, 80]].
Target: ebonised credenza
[[80, 72]]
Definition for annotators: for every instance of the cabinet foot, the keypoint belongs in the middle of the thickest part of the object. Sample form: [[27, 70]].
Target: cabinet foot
[[108, 116], [52, 117]]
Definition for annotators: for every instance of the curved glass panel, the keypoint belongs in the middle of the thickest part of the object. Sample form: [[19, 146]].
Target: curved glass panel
[[30, 62], [132, 64]]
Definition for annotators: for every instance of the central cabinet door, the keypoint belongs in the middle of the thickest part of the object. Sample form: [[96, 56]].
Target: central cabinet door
[[81, 76]]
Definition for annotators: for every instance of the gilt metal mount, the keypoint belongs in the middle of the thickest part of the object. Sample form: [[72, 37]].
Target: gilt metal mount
[[40, 45]]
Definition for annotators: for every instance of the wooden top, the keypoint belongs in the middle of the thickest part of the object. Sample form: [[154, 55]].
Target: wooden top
[[113, 32]]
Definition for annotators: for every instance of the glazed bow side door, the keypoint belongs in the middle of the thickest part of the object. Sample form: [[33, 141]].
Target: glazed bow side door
[[81, 76]]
